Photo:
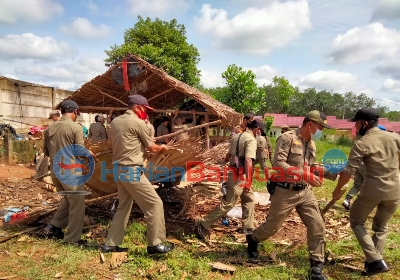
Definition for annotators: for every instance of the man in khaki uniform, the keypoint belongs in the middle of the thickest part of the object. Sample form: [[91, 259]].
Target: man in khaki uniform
[[262, 154], [236, 188], [284, 128], [110, 118], [71, 211], [130, 138], [54, 116], [97, 131], [358, 180], [42, 166], [269, 149], [294, 150], [162, 130], [177, 124], [246, 119], [380, 190]]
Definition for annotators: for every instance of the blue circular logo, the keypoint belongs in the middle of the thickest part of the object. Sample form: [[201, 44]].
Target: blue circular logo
[[334, 160], [73, 165]]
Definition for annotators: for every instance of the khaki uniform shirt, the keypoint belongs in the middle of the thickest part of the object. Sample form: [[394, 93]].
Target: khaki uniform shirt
[[261, 147], [161, 131], [292, 151], [129, 136], [247, 145], [359, 176], [97, 132], [379, 150], [61, 133]]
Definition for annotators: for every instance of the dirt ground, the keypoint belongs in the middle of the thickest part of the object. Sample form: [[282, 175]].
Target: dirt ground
[[17, 189], [17, 171]]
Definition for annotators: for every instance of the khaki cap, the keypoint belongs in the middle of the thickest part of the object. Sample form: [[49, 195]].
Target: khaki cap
[[54, 113], [318, 117]]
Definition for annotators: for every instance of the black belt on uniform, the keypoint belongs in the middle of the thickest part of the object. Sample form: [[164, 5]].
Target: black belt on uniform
[[292, 187]]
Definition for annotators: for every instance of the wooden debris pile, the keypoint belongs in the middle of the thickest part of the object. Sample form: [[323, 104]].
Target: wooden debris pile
[[177, 161]]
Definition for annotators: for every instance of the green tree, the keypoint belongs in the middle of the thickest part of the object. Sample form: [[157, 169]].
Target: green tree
[[241, 92], [278, 95], [268, 121], [163, 44], [393, 116]]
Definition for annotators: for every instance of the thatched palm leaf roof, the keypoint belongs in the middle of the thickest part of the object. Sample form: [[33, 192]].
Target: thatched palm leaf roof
[[163, 91]]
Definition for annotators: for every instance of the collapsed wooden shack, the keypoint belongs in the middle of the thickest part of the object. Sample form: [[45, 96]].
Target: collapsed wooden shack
[[166, 94]]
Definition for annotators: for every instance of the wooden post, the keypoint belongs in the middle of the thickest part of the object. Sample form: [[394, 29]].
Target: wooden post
[[224, 136], [8, 147], [207, 119], [218, 134], [1, 108]]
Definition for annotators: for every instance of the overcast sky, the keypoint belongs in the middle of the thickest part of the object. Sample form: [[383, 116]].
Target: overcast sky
[[338, 45]]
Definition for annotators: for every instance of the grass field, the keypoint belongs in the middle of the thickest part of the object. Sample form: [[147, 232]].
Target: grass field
[[43, 259]]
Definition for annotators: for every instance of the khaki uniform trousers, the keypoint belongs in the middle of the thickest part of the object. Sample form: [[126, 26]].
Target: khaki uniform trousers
[[282, 203], [71, 211], [233, 192], [359, 212], [148, 201]]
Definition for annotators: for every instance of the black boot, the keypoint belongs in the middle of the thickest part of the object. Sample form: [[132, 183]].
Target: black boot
[[51, 231], [346, 203], [252, 245], [159, 249], [376, 267], [315, 272]]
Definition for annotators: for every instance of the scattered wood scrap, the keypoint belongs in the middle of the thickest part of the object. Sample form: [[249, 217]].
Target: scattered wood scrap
[[3, 239], [222, 266], [118, 258]]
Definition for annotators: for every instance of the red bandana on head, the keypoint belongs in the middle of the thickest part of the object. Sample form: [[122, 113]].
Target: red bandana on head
[[141, 113]]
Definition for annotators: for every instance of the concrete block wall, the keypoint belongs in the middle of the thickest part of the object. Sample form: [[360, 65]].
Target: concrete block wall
[[23, 104]]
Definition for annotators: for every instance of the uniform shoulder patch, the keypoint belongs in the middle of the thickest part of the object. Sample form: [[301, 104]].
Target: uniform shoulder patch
[[297, 143], [285, 142]]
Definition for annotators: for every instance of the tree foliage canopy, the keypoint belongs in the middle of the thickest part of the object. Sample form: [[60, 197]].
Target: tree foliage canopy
[[163, 44], [241, 91]]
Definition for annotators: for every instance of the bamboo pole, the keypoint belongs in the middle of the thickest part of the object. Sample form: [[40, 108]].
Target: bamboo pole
[[207, 119], [88, 108], [106, 94], [189, 129], [159, 94], [218, 134]]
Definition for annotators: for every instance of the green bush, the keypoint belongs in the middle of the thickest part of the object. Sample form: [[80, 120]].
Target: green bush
[[344, 141]]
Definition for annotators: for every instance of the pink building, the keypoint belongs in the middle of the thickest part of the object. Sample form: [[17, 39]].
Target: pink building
[[342, 126]]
